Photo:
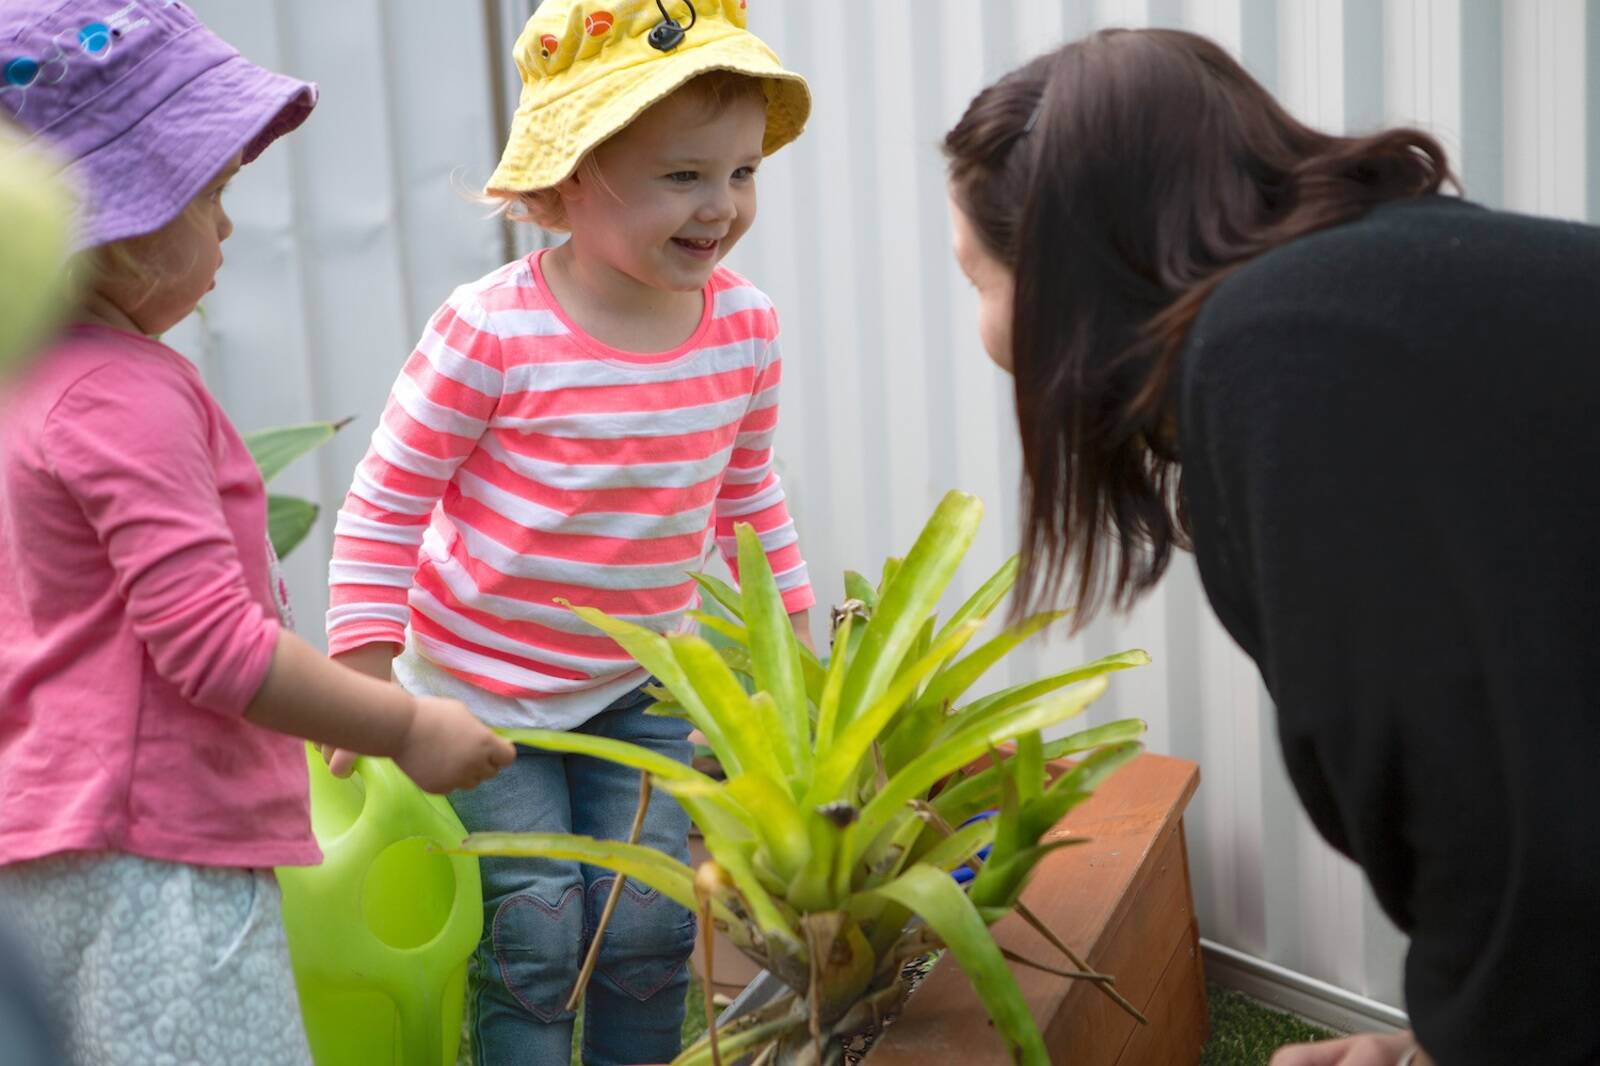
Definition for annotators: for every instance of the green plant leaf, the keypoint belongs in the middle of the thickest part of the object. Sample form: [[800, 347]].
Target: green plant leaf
[[651, 650], [734, 710], [774, 649], [911, 734], [953, 681], [842, 961], [932, 895], [722, 593], [930, 718], [958, 847], [833, 684], [712, 808], [1110, 733], [738, 638], [977, 792], [857, 587], [814, 888], [733, 1046], [1029, 761], [666, 875], [850, 746], [274, 449], [779, 821], [705, 798], [919, 647], [289, 519], [722, 627], [912, 593], [1075, 786], [769, 918], [814, 672], [1002, 878], [614, 751], [989, 594], [1017, 695], [959, 750], [891, 569]]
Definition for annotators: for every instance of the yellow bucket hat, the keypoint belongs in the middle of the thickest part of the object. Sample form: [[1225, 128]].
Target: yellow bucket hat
[[590, 67]]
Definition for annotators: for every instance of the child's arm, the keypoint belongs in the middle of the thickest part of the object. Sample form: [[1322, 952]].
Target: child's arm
[[751, 493], [154, 502], [374, 660], [801, 622], [438, 743], [437, 412]]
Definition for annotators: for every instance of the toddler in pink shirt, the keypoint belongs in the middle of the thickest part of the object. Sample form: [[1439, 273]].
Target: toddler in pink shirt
[[152, 704]]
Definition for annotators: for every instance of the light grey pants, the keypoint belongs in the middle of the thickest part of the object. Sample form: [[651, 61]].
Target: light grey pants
[[158, 963]]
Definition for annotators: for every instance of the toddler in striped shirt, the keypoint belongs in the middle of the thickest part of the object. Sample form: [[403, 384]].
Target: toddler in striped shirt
[[579, 425]]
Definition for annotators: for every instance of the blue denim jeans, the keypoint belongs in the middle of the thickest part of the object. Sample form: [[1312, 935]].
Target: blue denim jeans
[[539, 915]]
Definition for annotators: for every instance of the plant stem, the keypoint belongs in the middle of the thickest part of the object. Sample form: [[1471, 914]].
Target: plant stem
[[707, 941], [814, 965], [593, 956], [1105, 982], [1085, 975], [1049, 934]]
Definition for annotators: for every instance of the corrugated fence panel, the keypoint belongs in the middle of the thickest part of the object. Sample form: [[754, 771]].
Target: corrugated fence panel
[[348, 233], [351, 233]]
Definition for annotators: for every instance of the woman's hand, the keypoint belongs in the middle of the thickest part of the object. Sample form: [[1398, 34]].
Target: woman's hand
[[1364, 1049]]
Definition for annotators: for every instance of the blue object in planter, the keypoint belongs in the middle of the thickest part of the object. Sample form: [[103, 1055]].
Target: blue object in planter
[[964, 873]]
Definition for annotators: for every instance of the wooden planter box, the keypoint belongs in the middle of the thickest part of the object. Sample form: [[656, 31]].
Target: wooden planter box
[[1122, 901]]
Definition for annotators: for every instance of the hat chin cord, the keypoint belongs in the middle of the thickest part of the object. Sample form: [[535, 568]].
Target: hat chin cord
[[668, 33]]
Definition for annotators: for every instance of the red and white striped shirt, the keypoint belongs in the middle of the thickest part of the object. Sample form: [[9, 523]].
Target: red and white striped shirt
[[532, 463]]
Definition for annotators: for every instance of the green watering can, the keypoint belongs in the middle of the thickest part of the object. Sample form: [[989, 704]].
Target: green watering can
[[381, 932]]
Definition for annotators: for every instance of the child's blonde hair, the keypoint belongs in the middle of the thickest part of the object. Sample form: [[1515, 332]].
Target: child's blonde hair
[[715, 91]]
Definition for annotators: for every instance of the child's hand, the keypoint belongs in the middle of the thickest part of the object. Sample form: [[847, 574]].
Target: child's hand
[[446, 748], [339, 760]]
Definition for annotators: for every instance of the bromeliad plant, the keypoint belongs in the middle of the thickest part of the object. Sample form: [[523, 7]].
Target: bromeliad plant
[[854, 788]]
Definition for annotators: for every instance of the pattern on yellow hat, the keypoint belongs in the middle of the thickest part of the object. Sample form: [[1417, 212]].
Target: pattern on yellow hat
[[588, 69]]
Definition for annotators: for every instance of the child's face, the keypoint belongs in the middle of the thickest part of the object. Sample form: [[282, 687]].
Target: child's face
[[180, 261], [674, 193]]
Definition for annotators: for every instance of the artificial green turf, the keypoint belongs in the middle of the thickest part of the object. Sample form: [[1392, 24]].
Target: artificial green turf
[[1245, 1032]]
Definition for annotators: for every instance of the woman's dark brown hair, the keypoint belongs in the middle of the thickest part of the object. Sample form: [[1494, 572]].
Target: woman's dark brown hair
[[1122, 178]]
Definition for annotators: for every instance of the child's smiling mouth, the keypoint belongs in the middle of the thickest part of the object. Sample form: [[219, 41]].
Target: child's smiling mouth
[[698, 246]]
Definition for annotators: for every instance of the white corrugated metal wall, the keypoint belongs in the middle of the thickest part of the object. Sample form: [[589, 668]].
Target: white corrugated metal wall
[[351, 233]]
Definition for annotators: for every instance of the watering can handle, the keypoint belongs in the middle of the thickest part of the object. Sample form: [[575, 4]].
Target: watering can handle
[[389, 790], [385, 782]]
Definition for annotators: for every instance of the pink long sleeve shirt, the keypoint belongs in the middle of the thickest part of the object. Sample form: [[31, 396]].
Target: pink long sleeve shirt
[[530, 463], [137, 619]]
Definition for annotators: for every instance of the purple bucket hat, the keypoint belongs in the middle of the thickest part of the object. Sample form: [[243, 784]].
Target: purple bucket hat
[[145, 103]]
